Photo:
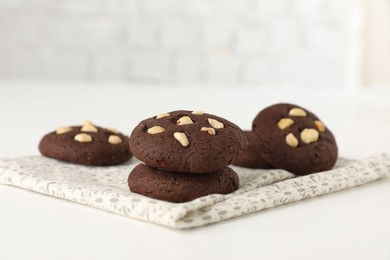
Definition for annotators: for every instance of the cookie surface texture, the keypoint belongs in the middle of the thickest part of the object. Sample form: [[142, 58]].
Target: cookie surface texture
[[294, 139], [86, 144], [186, 141], [178, 187], [251, 157]]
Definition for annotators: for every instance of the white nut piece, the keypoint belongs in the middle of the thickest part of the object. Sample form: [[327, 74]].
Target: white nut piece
[[209, 130], [297, 112], [291, 140], [162, 115], [112, 129], [185, 120], [309, 135], [63, 130], [114, 139], [182, 138], [155, 130], [87, 122], [198, 112], [83, 138], [89, 128], [285, 123], [320, 126], [215, 123]]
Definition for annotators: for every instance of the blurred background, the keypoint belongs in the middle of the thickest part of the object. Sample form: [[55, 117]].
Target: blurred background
[[314, 43]]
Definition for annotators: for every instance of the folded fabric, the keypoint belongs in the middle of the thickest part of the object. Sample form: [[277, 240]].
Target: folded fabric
[[106, 188]]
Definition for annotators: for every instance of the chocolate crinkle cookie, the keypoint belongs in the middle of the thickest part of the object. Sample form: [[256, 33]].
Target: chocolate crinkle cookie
[[251, 157], [294, 139], [86, 144], [185, 141], [179, 187]]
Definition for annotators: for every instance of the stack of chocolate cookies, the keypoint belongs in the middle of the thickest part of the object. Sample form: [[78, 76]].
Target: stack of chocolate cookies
[[289, 137], [185, 156]]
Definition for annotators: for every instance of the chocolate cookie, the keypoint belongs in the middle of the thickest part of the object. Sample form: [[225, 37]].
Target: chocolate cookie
[[251, 156], [294, 139], [87, 144], [185, 141], [179, 187]]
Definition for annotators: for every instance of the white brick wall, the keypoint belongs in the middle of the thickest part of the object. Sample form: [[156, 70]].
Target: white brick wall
[[223, 69], [150, 65], [259, 71], [180, 34], [111, 65], [142, 32], [254, 42], [187, 68]]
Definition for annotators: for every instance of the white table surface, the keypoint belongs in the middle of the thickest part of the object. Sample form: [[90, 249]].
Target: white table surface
[[351, 224]]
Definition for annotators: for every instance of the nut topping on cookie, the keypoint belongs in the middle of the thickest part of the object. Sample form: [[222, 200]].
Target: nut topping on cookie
[[87, 122], [89, 128], [297, 112], [155, 130], [162, 115], [319, 125], [215, 123], [114, 139], [63, 130], [309, 135], [291, 140], [285, 123], [111, 129], [83, 138], [182, 138], [185, 120], [198, 112], [209, 130]]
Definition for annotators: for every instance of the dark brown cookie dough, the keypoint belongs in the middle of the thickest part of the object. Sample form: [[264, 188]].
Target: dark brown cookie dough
[[179, 187], [87, 144], [251, 156], [294, 139], [185, 141]]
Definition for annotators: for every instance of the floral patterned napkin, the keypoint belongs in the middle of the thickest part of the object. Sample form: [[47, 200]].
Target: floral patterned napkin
[[106, 188]]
